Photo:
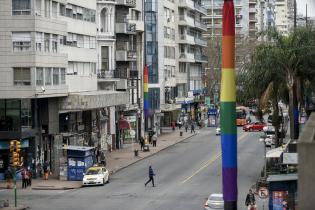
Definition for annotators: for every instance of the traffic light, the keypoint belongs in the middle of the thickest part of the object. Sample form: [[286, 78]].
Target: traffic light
[[16, 159], [18, 146], [12, 145]]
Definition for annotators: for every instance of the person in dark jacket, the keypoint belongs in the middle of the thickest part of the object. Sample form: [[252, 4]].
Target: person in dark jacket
[[141, 143], [250, 200], [151, 177]]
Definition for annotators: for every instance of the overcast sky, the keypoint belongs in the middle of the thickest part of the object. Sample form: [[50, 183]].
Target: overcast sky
[[310, 7]]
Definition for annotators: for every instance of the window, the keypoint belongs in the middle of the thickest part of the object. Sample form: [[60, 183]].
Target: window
[[105, 57], [47, 8], [62, 76], [21, 41], [47, 76], [62, 10], [54, 9], [169, 52], [39, 76], [39, 41], [46, 42], [55, 76], [182, 67], [21, 7], [38, 7], [21, 76], [54, 43]]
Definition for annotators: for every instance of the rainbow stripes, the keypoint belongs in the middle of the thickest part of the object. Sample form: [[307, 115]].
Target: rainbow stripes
[[146, 92], [228, 114]]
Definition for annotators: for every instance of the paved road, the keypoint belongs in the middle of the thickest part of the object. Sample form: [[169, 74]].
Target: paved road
[[186, 173]]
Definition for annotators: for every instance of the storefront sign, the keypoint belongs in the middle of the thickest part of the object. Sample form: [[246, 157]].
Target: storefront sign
[[290, 158], [279, 200]]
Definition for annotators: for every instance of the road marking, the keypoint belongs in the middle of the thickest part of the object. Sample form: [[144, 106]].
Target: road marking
[[211, 161]]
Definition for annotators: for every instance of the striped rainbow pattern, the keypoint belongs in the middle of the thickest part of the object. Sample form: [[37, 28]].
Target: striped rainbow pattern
[[228, 114], [146, 91]]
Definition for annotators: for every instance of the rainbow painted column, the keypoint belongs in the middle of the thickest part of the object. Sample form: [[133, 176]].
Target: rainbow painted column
[[146, 93], [228, 114]]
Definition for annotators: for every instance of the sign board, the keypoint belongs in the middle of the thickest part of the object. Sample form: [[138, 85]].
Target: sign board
[[212, 112], [207, 101], [132, 134], [290, 158], [263, 192]]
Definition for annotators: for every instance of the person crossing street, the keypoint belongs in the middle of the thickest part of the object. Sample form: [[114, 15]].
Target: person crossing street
[[151, 177]]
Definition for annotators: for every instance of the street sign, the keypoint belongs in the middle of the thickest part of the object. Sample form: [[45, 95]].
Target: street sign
[[263, 192]]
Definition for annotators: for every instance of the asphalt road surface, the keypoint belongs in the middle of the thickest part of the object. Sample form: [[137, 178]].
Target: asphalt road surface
[[186, 174]]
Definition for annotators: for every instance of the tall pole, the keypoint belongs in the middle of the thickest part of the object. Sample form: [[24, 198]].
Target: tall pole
[[306, 15], [228, 114], [294, 14], [145, 74]]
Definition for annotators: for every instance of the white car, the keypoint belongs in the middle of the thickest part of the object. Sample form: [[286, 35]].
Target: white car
[[96, 175], [214, 201], [218, 131]]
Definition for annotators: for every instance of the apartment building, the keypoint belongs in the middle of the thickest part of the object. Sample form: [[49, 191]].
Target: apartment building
[[174, 57], [265, 14], [65, 75], [284, 15]]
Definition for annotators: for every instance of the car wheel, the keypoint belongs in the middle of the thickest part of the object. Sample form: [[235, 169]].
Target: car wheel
[[107, 179], [103, 182]]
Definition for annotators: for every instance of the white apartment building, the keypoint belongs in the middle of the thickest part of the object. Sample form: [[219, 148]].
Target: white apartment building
[[50, 91], [284, 13], [174, 57], [265, 14]]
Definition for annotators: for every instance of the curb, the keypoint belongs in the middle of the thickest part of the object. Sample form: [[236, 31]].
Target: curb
[[115, 171], [55, 188], [16, 208]]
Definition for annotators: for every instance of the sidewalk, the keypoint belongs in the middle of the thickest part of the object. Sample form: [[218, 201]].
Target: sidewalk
[[116, 160]]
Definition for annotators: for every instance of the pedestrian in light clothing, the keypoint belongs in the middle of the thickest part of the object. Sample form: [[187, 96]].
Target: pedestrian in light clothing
[[154, 140], [151, 177]]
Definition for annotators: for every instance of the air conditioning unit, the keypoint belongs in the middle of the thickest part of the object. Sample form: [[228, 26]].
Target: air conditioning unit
[[122, 84]]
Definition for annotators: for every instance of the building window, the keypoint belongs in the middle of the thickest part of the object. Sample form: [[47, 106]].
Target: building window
[[105, 57], [38, 7], [182, 67], [47, 76], [21, 76], [39, 76], [39, 41], [21, 7], [54, 43], [62, 76], [46, 42], [62, 10], [21, 41], [55, 76], [54, 9]]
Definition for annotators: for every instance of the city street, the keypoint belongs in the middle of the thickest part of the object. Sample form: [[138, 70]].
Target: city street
[[186, 174]]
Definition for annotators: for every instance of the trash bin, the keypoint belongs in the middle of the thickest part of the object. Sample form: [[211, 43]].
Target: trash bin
[[180, 133], [136, 152]]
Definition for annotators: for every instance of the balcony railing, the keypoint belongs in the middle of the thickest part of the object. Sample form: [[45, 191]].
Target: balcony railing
[[129, 3], [200, 57], [200, 8], [201, 25], [200, 41]]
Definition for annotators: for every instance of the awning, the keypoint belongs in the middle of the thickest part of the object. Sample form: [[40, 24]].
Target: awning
[[124, 124], [77, 148], [275, 153], [282, 177]]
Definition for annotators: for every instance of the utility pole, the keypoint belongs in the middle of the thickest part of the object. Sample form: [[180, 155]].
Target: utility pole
[[294, 14], [306, 15]]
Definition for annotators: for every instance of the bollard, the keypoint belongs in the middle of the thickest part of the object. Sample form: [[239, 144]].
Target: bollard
[[136, 153], [181, 133]]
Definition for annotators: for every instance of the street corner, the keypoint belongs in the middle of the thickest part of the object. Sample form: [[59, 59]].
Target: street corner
[[57, 185]]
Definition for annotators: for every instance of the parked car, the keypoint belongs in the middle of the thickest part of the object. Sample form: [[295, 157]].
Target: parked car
[[214, 201], [96, 175], [256, 126], [218, 131]]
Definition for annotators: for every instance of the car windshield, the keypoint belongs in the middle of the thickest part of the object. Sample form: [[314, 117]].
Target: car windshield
[[215, 198], [93, 171]]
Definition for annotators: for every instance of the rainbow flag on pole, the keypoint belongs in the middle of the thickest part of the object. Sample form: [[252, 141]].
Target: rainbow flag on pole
[[146, 92], [228, 114]]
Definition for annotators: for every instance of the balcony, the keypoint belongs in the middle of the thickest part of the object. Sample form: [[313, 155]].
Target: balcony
[[200, 8], [201, 42], [106, 1], [186, 39], [125, 27], [200, 25], [252, 10], [139, 24], [201, 58], [187, 57], [127, 3], [186, 4], [185, 20]]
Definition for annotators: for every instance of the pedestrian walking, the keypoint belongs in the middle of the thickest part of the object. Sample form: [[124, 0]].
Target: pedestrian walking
[[29, 173], [186, 127], [8, 175], [46, 170], [24, 178], [250, 201], [173, 125], [141, 143], [192, 127], [151, 177], [154, 140], [103, 158]]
